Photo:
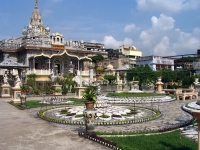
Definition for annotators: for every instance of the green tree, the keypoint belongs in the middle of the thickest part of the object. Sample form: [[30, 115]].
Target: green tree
[[111, 78], [167, 75], [31, 82], [186, 77], [144, 74], [97, 58]]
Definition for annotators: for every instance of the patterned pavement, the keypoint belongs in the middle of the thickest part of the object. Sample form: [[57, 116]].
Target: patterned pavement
[[23, 130]]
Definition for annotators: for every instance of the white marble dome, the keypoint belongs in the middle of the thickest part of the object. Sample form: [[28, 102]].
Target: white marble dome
[[109, 67]]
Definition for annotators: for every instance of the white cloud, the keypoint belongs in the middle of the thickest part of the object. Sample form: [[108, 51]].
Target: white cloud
[[196, 31], [163, 22], [111, 42], [186, 43], [170, 6], [171, 41], [163, 48], [129, 27]]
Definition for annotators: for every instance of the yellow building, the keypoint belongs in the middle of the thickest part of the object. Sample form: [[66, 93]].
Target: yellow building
[[131, 52]]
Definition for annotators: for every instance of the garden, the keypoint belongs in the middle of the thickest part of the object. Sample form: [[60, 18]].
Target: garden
[[165, 141], [153, 139]]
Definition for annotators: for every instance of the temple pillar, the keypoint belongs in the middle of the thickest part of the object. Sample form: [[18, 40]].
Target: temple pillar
[[34, 65], [49, 66]]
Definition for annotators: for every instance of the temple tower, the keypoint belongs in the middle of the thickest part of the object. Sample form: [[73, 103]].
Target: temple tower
[[36, 34]]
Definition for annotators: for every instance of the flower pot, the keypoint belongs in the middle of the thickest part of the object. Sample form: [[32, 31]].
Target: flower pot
[[89, 105], [23, 92]]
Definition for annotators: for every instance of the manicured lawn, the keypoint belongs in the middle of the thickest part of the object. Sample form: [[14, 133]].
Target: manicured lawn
[[166, 141], [31, 104], [126, 94]]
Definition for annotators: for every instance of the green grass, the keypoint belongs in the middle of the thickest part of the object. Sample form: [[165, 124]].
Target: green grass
[[30, 104], [125, 133], [126, 94], [166, 141], [79, 116], [104, 116], [33, 103]]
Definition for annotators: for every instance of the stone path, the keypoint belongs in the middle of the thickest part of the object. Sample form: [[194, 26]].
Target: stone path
[[191, 132], [172, 115], [22, 130]]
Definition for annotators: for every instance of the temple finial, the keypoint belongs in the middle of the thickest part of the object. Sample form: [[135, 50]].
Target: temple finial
[[36, 4]]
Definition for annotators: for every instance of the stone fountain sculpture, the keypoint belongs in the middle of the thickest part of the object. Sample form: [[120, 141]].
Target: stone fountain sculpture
[[10, 65], [5, 88], [134, 87]]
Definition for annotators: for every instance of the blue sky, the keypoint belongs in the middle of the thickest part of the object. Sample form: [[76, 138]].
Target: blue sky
[[165, 28]]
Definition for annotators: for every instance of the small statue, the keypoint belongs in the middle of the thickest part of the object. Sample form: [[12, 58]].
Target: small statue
[[17, 81], [52, 73], [5, 78], [118, 78]]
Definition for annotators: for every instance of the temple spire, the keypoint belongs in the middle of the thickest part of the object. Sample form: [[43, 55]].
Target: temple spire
[[36, 4]]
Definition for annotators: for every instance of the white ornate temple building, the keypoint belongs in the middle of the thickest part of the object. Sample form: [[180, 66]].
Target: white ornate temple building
[[44, 52], [156, 62]]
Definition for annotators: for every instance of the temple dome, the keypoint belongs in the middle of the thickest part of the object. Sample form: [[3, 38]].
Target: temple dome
[[24, 32], [109, 67], [47, 29], [30, 26]]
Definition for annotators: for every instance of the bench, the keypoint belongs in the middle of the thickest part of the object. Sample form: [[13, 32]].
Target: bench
[[189, 94]]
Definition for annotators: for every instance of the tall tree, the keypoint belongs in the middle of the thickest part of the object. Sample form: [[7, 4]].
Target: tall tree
[[144, 74]]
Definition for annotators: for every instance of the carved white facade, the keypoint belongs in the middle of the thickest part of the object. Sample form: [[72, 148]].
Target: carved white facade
[[43, 51]]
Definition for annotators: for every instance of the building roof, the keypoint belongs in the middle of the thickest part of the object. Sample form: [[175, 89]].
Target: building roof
[[124, 68]]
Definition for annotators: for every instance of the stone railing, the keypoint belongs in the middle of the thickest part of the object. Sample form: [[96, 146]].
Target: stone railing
[[39, 72], [108, 88], [84, 73]]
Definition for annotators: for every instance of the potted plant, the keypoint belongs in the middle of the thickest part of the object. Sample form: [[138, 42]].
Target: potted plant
[[58, 91], [90, 95], [196, 78], [23, 89]]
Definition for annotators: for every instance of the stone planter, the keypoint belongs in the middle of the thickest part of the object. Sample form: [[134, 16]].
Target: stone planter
[[90, 115]]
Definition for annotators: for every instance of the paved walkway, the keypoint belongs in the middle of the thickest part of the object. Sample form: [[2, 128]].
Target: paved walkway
[[22, 130], [172, 114]]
